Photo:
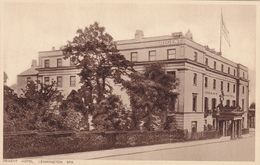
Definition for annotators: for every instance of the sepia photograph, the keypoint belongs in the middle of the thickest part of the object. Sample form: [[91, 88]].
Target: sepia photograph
[[129, 81]]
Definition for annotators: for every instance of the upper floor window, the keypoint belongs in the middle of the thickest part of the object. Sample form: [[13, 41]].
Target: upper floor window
[[214, 84], [215, 65], [46, 80], [228, 103], [206, 81], [234, 72], [207, 62], [171, 53], [46, 63], [59, 81], [72, 81], [72, 61], [152, 55], [243, 90], [134, 56], [221, 85], [29, 79], [228, 70], [243, 74], [234, 88], [59, 62], [222, 68], [228, 87], [234, 103], [195, 56], [213, 103], [195, 79]]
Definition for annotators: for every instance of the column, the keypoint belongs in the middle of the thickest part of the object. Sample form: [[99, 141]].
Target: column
[[240, 128], [224, 127], [232, 129], [235, 128]]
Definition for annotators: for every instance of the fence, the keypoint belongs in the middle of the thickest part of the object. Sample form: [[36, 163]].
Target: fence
[[28, 144]]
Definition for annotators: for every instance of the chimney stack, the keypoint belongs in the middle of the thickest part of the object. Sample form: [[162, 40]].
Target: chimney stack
[[34, 63], [139, 34]]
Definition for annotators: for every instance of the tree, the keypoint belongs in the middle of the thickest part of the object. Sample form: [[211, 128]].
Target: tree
[[94, 52], [252, 105], [152, 95], [36, 100]]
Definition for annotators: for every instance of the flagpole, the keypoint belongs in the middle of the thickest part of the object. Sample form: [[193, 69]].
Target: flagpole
[[220, 32]]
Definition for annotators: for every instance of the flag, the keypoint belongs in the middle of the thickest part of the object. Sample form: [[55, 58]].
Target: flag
[[224, 30]]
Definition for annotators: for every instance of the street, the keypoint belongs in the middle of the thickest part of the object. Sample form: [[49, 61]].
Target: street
[[232, 150]]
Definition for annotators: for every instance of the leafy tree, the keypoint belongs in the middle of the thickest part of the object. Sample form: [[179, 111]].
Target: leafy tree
[[14, 114], [94, 52], [252, 105], [36, 100], [152, 95], [111, 115]]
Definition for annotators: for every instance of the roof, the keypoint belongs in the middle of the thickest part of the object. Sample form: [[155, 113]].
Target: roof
[[30, 71]]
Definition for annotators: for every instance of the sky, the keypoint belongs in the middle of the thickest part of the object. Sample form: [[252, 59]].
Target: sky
[[28, 28]]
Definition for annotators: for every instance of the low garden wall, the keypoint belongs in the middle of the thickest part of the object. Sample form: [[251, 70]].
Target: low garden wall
[[29, 144]]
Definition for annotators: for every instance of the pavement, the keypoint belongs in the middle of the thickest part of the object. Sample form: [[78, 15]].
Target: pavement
[[91, 155]]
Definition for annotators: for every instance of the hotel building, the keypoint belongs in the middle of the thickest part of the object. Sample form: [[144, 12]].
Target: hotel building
[[206, 79]]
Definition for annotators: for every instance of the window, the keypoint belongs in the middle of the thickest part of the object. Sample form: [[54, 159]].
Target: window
[[152, 55], [222, 68], [228, 87], [72, 81], [195, 56], [234, 72], [221, 85], [234, 103], [59, 62], [214, 84], [195, 79], [243, 103], [173, 73], [171, 53], [228, 70], [228, 103], [46, 80], [59, 81], [206, 82], [215, 65], [243, 90], [29, 79], [72, 61], [234, 88], [213, 103], [46, 63], [194, 102], [207, 62], [243, 74], [206, 104], [194, 126], [134, 56]]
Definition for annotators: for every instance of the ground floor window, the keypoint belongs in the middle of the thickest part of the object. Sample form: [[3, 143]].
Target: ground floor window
[[194, 126]]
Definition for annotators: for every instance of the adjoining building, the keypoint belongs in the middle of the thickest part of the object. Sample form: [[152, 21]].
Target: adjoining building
[[206, 79]]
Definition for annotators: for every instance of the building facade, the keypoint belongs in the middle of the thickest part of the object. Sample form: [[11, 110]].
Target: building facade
[[207, 79]]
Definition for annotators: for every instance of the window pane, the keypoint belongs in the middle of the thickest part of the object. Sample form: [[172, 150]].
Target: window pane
[[171, 53], [59, 81], [59, 62], [152, 55], [134, 56], [72, 81], [46, 63]]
